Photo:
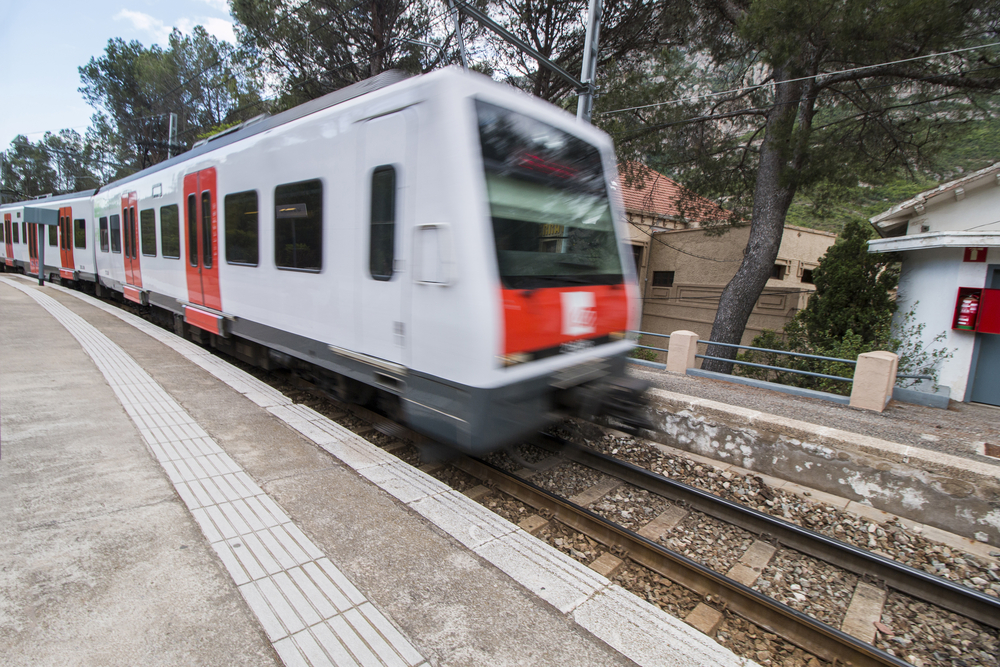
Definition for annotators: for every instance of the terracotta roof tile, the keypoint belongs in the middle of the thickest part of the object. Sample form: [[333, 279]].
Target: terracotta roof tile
[[650, 192]]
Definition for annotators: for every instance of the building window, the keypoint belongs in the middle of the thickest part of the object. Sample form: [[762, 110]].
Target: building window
[[170, 232], [382, 242], [778, 271], [80, 233], [298, 226], [241, 228], [807, 276], [663, 278], [116, 233], [147, 231], [103, 226]]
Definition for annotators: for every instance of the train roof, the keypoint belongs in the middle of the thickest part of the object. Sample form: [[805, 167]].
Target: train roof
[[45, 200], [265, 123]]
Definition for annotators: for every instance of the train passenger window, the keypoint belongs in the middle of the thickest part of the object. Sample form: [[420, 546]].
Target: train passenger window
[[298, 226], [383, 223], [241, 228], [103, 226], [192, 218], [116, 233], [127, 235], [53, 235], [170, 232], [24, 231], [147, 231], [206, 228], [80, 233], [14, 234]]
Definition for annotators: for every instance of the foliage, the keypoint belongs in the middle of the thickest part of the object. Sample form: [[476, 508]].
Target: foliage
[[57, 164], [850, 313], [317, 47], [204, 81], [815, 97], [641, 352]]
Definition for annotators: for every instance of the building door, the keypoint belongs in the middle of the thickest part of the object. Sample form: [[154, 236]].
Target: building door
[[201, 241], [386, 171], [986, 382]]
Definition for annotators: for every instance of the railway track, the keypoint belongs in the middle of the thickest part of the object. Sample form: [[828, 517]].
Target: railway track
[[730, 592]]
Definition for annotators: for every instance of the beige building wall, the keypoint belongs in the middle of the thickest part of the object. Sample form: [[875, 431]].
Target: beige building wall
[[702, 265]]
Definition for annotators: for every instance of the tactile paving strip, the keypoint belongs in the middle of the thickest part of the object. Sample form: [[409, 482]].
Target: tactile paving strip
[[642, 632], [311, 612]]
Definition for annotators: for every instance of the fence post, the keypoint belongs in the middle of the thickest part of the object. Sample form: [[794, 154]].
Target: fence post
[[874, 378], [681, 349]]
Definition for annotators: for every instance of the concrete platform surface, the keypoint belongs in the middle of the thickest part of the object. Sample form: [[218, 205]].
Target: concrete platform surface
[[160, 506]]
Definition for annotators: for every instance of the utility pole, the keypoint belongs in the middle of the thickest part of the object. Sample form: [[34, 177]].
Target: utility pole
[[585, 104], [585, 88], [172, 134]]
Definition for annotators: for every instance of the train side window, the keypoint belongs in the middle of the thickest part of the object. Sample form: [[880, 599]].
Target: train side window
[[383, 223], [192, 217], [14, 234], [80, 233], [170, 232], [241, 228], [103, 227], [298, 226], [147, 231], [53, 235], [206, 228], [24, 231], [116, 233]]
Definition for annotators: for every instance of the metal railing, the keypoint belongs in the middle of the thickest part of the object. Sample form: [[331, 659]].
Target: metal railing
[[782, 369]]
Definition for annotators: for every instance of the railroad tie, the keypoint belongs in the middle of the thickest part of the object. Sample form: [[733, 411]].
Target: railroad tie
[[753, 561], [596, 492], [864, 612]]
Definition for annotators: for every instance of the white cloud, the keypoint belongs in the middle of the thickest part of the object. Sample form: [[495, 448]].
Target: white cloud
[[220, 5], [219, 28], [159, 31], [146, 23]]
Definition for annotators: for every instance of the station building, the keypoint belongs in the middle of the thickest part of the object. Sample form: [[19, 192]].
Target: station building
[[949, 241]]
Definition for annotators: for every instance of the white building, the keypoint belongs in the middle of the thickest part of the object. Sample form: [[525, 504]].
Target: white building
[[949, 241]]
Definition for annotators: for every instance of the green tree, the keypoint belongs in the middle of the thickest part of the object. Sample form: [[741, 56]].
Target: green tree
[[853, 290], [57, 164], [810, 94], [317, 47], [204, 81]]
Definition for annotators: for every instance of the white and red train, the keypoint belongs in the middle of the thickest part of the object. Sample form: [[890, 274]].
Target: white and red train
[[443, 244]]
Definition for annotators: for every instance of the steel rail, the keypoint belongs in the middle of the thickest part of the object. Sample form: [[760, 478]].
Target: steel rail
[[916, 583], [812, 635]]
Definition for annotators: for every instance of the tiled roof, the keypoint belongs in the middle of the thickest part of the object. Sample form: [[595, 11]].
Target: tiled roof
[[651, 193]]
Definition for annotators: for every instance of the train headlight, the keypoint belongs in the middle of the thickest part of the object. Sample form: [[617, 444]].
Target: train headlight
[[514, 359]]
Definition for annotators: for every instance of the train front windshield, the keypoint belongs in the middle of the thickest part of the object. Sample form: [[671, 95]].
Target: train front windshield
[[549, 204]]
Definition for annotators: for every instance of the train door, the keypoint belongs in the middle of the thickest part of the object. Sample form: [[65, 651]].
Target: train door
[[201, 239], [32, 248], [130, 238], [8, 240], [386, 169], [66, 238]]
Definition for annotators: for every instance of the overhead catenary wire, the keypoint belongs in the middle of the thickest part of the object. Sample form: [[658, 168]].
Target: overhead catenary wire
[[743, 89]]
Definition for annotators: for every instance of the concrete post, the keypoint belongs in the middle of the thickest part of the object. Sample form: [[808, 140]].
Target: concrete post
[[681, 350], [874, 378]]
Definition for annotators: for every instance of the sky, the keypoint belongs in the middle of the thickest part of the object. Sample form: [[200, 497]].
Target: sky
[[43, 43]]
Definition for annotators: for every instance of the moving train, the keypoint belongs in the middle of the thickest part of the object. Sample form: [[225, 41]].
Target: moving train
[[443, 246]]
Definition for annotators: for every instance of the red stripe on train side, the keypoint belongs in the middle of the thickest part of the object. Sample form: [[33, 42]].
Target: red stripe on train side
[[542, 318]]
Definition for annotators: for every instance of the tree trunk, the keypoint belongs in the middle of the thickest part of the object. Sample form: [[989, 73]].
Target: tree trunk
[[773, 192]]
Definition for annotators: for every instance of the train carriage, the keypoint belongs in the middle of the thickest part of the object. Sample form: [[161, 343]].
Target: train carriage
[[68, 249], [444, 245]]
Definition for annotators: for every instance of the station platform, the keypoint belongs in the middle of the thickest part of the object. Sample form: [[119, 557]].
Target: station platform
[[159, 506]]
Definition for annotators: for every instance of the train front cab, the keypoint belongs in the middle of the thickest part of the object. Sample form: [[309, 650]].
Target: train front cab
[[562, 283]]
